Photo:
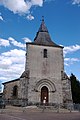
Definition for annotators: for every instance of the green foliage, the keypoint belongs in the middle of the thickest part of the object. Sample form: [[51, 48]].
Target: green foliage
[[75, 87]]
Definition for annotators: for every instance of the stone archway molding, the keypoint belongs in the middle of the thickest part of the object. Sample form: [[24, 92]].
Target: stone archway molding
[[45, 82]]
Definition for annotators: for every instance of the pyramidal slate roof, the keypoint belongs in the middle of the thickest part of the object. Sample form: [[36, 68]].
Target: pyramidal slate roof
[[43, 37]]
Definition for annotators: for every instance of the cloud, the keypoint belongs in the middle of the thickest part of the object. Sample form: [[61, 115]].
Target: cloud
[[20, 6], [12, 41], [76, 2], [70, 49], [72, 59], [26, 39], [1, 18], [9, 41], [69, 61], [4, 42], [12, 64], [37, 2], [30, 17], [14, 53], [49, 0], [16, 6], [15, 43]]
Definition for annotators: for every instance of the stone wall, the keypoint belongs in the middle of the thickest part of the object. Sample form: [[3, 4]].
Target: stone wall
[[66, 88], [8, 89], [41, 68]]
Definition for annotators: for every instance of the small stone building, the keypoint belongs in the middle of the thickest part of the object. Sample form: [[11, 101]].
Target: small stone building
[[44, 77]]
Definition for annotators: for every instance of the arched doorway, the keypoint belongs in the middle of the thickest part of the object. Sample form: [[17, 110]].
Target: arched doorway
[[44, 94]]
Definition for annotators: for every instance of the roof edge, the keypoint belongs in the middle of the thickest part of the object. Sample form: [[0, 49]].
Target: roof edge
[[11, 81], [44, 45]]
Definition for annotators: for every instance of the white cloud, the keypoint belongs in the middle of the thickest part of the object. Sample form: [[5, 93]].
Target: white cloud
[[26, 39], [12, 41], [9, 41], [20, 6], [69, 49], [12, 64], [49, 0], [1, 18], [30, 17], [14, 53], [76, 2], [37, 2], [72, 59], [15, 43], [69, 61], [16, 6], [4, 42]]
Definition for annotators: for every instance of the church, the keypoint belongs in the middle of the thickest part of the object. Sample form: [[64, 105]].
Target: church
[[44, 77]]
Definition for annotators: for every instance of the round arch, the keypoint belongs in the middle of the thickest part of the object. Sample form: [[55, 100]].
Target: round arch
[[45, 82], [45, 88]]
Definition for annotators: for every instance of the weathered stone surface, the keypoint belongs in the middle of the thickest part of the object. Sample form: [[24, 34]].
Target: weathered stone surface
[[42, 69], [8, 89]]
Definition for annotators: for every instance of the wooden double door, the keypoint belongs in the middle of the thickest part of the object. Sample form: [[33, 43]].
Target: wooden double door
[[44, 94]]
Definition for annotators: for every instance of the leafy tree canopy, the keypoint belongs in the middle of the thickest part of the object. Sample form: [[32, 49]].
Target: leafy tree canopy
[[75, 87]]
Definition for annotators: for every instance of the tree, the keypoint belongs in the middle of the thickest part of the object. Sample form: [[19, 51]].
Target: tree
[[75, 88]]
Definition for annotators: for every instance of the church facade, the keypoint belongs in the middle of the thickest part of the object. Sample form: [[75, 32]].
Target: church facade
[[44, 78]]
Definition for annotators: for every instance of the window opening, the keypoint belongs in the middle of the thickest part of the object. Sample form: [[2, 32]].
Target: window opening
[[15, 91], [45, 53]]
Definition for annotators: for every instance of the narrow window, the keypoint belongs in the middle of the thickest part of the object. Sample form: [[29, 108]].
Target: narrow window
[[45, 53], [15, 91]]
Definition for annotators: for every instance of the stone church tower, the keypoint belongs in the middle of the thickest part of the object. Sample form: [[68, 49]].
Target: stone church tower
[[44, 77]]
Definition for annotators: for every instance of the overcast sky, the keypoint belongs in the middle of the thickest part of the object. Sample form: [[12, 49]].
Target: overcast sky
[[19, 23]]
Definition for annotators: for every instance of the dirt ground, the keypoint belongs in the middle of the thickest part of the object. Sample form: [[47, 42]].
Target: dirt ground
[[15, 113]]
